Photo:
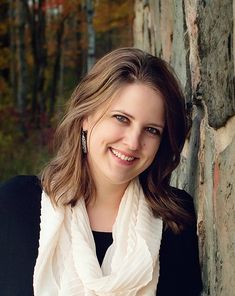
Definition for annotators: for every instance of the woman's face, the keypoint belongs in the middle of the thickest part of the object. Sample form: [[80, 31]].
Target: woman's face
[[124, 141]]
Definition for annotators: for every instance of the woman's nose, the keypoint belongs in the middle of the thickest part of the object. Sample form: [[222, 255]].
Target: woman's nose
[[133, 139]]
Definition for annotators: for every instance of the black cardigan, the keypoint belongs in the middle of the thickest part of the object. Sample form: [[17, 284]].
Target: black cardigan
[[20, 205]]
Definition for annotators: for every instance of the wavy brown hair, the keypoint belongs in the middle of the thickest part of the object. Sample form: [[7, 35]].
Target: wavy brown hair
[[67, 176]]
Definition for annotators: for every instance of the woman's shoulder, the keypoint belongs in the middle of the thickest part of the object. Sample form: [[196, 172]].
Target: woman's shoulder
[[20, 206], [20, 192], [179, 256], [186, 240]]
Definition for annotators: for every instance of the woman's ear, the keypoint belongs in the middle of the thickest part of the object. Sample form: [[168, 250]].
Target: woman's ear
[[85, 124]]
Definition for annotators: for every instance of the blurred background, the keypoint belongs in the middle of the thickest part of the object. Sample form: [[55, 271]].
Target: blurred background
[[46, 46]]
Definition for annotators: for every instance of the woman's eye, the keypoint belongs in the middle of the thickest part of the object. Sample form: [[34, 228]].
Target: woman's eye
[[121, 118], [154, 131]]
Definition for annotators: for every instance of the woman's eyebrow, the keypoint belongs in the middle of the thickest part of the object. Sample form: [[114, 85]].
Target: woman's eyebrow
[[132, 117], [123, 112]]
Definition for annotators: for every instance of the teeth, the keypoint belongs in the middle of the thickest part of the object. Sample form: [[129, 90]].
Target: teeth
[[121, 156]]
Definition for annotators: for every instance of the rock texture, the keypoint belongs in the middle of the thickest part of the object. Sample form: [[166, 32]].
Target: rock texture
[[198, 39]]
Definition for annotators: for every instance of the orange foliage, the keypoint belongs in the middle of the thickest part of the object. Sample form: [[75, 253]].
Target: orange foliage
[[113, 14]]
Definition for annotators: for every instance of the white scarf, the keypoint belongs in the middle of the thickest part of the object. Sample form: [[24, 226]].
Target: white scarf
[[67, 264]]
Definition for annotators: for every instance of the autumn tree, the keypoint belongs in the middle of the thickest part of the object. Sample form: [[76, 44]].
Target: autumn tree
[[36, 17], [113, 25], [4, 50], [89, 8], [22, 68], [12, 49]]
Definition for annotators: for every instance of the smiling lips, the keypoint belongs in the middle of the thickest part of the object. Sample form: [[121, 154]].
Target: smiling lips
[[122, 156]]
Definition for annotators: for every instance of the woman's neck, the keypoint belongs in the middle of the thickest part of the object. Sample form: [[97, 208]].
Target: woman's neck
[[103, 207]]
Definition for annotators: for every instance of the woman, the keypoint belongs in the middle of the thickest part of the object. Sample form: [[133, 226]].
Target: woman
[[110, 223]]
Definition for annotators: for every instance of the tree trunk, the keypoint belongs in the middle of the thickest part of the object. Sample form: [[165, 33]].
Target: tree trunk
[[37, 21], [91, 34], [77, 27], [12, 28], [57, 68], [22, 71], [4, 44], [61, 85], [198, 38], [42, 56]]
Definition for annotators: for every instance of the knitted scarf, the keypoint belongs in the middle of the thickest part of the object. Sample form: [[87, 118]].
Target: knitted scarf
[[67, 264]]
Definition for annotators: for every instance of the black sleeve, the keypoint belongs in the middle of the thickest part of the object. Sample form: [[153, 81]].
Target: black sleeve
[[180, 273], [19, 234]]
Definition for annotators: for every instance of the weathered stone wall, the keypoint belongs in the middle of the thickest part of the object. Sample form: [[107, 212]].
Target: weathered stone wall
[[198, 39]]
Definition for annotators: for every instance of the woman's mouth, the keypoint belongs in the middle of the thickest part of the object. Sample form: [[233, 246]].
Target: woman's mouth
[[122, 156]]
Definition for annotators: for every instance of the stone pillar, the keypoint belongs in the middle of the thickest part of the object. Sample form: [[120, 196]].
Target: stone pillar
[[198, 39]]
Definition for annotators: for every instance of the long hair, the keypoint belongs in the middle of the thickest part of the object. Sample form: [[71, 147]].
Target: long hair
[[67, 177]]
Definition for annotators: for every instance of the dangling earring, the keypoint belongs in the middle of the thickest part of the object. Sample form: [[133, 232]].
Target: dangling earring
[[84, 144]]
